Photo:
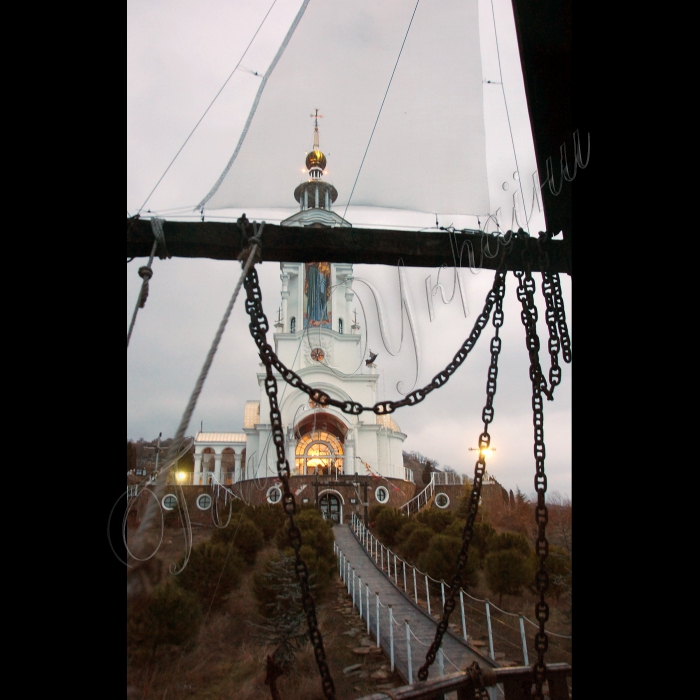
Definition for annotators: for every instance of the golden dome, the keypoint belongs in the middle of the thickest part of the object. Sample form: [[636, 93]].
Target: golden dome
[[315, 159]]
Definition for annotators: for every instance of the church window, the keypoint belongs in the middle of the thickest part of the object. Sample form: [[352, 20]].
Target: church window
[[169, 502], [442, 500], [274, 494], [319, 452], [340, 326], [293, 325], [204, 501], [381, 494]]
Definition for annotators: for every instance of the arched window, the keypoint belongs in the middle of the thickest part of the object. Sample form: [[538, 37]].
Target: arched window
[[340, 326], [319, 452], [293, 325]]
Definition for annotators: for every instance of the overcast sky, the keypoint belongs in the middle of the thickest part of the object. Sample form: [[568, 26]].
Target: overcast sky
[[180, 54]]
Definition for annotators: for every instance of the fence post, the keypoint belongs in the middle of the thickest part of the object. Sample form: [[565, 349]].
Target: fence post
[[347, 575], [404, 577], [415, 587], [359, 587], [353, 591], [376, 594], [391, 637], [488, 621], [522, 635], [464, 624], [367, 606], [442, 587], [396, 578], [427, 593], [408, 649], [382, 565], [441, 661]]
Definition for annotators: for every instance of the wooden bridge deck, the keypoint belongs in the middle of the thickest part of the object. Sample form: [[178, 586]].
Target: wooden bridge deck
[[458, 655]]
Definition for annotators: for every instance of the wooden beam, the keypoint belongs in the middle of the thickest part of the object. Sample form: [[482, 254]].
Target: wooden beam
[[223, 241]]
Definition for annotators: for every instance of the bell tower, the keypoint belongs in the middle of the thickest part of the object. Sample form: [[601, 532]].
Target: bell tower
[[315, 195]]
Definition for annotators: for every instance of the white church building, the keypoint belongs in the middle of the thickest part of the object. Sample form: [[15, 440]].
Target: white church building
[[316, 334]]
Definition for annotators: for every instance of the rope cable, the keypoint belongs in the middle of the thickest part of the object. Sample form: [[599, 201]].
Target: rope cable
[[187, 415], [381, 107], [510, 129], [208, 108]]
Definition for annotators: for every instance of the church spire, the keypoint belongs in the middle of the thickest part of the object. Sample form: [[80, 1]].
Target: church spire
[[315, 160], [315, 195], [315, 117]]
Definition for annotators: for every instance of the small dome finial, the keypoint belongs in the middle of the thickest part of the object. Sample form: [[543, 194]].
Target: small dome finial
[[315, 158]]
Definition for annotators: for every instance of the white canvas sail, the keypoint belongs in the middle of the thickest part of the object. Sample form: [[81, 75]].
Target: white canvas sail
[[453, 136], [428, 150]]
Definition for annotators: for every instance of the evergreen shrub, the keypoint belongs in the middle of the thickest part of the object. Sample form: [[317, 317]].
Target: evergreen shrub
[[172, 616], [212, 573], [246, 536]]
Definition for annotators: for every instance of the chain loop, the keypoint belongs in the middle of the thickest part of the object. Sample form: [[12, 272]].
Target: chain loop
[[496, 294], [259, 327], [294, 532], [526, 290]]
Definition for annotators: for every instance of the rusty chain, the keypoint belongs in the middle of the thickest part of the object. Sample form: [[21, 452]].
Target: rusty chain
[[477, 678], [526, 295], [479, 469], [259, 327], [561, 318], [289, 502], [558, 332]]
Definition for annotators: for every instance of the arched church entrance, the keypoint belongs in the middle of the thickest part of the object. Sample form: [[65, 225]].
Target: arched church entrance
[[331, 507], [320, 446]]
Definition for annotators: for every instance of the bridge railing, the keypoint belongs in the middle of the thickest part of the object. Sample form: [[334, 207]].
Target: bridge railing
[[482, 624], [397, 639], [420, 500], [511, 679]]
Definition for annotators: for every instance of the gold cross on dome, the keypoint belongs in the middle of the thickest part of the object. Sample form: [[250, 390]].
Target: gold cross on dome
[[316, 116]]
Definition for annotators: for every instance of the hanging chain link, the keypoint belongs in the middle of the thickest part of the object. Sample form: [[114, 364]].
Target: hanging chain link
[[558, 331], [561, 318], [526, 295], [479, 469], [259, 327], [478, 686]]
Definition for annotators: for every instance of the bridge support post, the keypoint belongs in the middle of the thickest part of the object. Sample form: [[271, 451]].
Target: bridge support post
[[442, 588], [464, 624], [359, 588], [408, 650], [415, 586], [427, 593], [391, 637], [488, 622], [441, 661], [376, 594], [353, 599], [396, 578], [522, 636], [367, 615], [404, 577]]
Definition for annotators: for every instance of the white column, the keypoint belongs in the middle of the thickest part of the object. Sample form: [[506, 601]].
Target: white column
[[237, 464], [285, 296], [198, 477], [217, 466], [349, 457]]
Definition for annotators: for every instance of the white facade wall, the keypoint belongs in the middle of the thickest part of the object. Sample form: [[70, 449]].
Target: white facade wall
[[342, 374]]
